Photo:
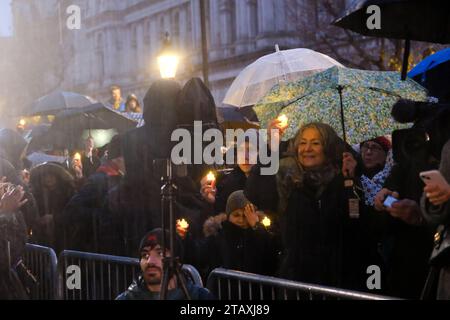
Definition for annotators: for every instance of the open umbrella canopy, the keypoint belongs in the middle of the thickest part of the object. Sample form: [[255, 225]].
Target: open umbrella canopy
[[280, 67], [58, 101], [69, 125], [356, 103], [434, 74], [38, 158], [95, 116], [419, 20]]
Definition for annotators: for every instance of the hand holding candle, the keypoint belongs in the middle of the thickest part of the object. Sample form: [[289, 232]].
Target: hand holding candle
[[266, 222], [283, 119], [182, 228], [77, 157], [208, 187], [211, 179]]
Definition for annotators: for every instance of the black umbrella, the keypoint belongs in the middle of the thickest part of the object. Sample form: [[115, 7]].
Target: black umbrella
[[58, 101], [69, 125], [420, 20], [237, 118], [95, 116]]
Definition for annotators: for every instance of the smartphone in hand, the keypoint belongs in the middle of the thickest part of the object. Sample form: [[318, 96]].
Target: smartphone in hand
[[434, 177], [389, 201]]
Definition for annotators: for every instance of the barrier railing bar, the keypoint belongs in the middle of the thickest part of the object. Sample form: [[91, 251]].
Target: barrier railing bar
[[292, 285]]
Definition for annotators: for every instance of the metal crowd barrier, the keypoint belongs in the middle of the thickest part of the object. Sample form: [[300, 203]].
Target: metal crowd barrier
[[42, 264], [102, 277], [237, 285]]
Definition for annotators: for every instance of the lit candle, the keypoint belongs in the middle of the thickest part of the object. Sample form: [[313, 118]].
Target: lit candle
[[210, 177], [22, 122], [183, 224], [266, 222], [77, 156], [283, 120]]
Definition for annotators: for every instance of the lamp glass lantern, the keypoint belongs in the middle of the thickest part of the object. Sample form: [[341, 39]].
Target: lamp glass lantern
[[167, 60]]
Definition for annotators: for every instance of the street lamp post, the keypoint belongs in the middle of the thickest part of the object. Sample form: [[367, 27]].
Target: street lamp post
[[168, 60], [205, 60]]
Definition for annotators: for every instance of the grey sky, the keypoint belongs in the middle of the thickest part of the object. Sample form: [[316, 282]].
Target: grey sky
[[5, 18]]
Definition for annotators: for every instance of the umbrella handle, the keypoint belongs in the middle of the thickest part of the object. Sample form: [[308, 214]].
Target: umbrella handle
[[406, 58], [342, 113]]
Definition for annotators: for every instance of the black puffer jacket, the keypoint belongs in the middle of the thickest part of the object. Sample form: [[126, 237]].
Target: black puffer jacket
[[238, 249]]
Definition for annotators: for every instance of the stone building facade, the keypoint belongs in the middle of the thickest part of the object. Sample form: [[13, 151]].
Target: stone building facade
[[119, 40]]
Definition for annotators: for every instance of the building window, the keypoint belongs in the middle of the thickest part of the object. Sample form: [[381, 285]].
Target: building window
[[133, 38], [253, 18], [147, 31], [162, 29], [228, 22]]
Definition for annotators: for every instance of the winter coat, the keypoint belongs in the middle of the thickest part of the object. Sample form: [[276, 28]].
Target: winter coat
[[440, 215], [248, 250], [139, 291], [164, 105], [323, 245], [49, 229], [409, 247], [90, 165], [88, 218]]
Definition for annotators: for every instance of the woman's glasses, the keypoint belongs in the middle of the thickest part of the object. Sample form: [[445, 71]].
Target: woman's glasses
[[372, 147]]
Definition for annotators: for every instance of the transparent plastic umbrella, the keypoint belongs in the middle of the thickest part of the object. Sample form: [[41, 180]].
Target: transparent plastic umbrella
[[256, 80]]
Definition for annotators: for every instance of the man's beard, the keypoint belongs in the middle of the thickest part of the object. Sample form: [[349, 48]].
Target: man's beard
[[155, 278]]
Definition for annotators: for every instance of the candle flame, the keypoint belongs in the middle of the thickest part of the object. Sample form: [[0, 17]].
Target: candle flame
[[210, 177], [183, 224], [77, 156], [22, 122], [283, 119], [266, 222]]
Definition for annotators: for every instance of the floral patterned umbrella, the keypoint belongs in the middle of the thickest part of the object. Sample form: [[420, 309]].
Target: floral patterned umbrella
[[356, 103]]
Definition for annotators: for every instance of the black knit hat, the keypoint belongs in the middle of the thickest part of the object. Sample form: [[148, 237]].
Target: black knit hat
[[154, 238]]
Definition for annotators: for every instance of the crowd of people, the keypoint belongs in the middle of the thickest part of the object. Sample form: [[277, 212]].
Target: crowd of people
[[117, 103], [329, 220]]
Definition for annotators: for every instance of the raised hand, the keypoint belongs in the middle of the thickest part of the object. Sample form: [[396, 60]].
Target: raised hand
[[348, 165], [437, 194], [12, 200], [251, 215], [208, 190]]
